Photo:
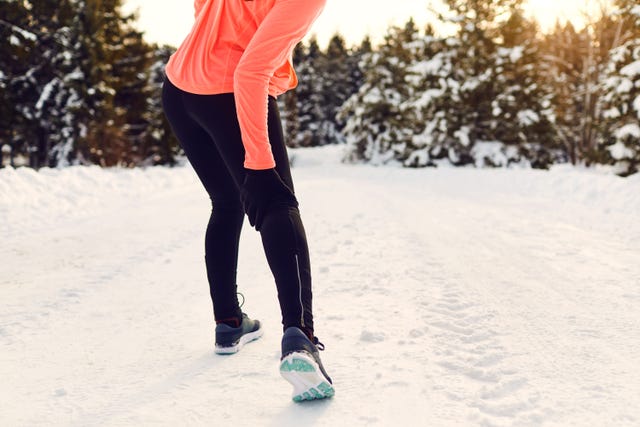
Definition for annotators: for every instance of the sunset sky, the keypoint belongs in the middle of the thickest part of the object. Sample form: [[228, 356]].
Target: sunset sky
[[169, 20]]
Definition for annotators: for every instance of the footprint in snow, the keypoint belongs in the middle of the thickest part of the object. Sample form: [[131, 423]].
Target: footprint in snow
[[372, 337]]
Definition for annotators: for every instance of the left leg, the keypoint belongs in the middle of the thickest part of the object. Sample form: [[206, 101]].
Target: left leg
[[223, 230]]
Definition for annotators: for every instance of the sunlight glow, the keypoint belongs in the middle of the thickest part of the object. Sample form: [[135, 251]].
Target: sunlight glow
[[548, 12], [170, 21]]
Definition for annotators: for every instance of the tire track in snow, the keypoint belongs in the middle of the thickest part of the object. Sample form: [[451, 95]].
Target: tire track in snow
[[469, 348], [440, 331]]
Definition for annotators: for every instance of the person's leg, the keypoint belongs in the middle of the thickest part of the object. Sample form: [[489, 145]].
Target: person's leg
[[285, 242], [223, 230], [282, 232]]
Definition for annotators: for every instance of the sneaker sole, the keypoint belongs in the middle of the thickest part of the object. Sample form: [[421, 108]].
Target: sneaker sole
[[232, 349], [302, 371]]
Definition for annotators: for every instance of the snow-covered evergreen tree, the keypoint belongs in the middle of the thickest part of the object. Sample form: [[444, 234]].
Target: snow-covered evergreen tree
[[523, 116], [575, 64], [46, 95], [621, 100], [478, 60], [377, 129], [77, 86], [433, 82], [16, 43], [309, 96], [564, 50], [337, 69], [288, 103], [479, 86], [104, 54], [160, 144], [325, 80], [130, 81]]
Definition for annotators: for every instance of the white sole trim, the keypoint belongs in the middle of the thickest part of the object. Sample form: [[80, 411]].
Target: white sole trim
[[246, 338]]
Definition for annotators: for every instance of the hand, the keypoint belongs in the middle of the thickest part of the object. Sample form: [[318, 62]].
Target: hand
[[261, 189]]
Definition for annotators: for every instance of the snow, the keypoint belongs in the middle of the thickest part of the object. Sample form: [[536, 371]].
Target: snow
[[373, 96], [445, 297], [495, 153], [427, 97], [629, 130], [46, 93], [429, 67], [462, 135], [631, 70], [619, 151], [528, 118], [514, 53], [28, 35], [624, 86], [611, 113]]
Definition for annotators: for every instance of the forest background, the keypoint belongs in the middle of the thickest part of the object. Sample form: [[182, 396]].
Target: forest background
[[79, 84]]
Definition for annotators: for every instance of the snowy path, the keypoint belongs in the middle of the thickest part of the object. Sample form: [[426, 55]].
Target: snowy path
[[444, 297]]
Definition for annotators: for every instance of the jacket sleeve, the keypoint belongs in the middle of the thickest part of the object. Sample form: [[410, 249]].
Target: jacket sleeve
[[269, 49], [197, 6]]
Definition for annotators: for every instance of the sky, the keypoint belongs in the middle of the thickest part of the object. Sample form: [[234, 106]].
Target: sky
[[169, 21]]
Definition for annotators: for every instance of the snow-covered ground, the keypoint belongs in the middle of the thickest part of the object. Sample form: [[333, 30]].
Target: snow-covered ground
[[445, 297]]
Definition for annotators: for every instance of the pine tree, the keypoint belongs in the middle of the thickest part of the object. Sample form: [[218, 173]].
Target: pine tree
[[472, 119], [310, 112], [47, 95], [564, 49], [433, 83], [460, 83], [576, 62], [355, 61], [335, 69], [621, 101], [161, 146], [16, 43], [377, 129], [522, 110], [288, 102], [80, 85], [81, 58], [309, 97], [352, 79], [103, 53], [130, 74]]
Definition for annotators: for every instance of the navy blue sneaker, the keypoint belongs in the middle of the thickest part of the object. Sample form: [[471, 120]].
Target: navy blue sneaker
[[301, 366], [230, 340]]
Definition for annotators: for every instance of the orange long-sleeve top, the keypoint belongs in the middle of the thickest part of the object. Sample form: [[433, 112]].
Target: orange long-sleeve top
[[244, 47]]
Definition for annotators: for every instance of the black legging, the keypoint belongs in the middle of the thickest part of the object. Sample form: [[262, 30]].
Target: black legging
[[208, 130]]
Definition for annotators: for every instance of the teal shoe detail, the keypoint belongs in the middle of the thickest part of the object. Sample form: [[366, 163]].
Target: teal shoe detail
[[296, 365], [301, 370]]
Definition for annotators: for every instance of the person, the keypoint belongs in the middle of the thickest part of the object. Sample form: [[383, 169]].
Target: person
[[220, 100]]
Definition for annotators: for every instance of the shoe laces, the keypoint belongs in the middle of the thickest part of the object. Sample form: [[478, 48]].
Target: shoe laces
[[240, 295], [318, 344]]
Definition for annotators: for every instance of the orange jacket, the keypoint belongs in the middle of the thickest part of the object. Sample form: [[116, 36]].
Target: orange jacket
[[244, 47]]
